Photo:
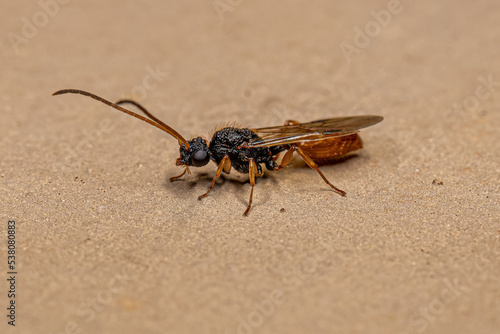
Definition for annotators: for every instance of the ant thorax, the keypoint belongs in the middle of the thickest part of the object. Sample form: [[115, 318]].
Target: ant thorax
[[228, 141]]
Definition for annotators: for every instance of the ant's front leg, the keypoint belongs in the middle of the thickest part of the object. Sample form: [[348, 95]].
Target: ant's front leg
[[223, 165], [175, 178]]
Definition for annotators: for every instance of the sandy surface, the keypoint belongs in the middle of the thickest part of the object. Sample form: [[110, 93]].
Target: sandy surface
[[105, 244]]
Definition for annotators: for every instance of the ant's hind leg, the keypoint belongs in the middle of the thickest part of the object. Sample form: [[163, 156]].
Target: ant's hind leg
[[252, 171], [223, 163], [286, 158], [175, 178], [310, 162]]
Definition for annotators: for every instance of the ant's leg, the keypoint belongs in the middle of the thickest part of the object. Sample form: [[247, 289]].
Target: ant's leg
[[286, 158], [217, 174], [227, 166], [310, 162], [252, 171], [175, 178]]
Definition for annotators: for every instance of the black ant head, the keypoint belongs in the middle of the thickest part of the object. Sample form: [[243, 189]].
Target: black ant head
[[196, 155]]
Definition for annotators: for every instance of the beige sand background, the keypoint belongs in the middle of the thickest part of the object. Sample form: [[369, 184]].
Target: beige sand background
[[107, 245]]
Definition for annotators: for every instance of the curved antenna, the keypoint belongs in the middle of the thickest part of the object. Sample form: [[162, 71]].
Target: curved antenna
[[144, 110], [159, 124]]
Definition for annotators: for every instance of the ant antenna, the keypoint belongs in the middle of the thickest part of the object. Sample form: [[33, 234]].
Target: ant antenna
[[155, 121], [144, 110]]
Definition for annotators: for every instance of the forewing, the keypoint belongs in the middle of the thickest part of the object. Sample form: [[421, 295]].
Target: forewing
[[303, 132]]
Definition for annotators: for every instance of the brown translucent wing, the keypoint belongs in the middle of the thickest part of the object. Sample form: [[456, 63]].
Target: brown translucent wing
[[312, 131]]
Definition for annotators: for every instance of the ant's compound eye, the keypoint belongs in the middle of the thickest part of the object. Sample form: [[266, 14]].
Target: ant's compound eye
[[200, 158]]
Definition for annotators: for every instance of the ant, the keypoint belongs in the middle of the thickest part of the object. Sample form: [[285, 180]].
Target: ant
[[245, 149]]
